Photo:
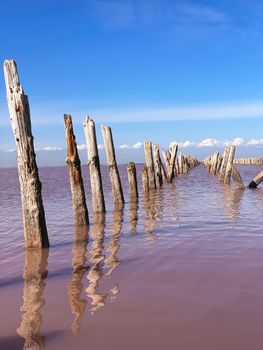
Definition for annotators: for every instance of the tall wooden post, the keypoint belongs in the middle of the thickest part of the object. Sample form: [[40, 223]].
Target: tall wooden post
[[157, 165], [229, 165], [80, 211], [224, 164], [145, 181], [170, 175], [237, 179], [132, 179], [111, 160], [35, 230], [94, 166], [149, 164]]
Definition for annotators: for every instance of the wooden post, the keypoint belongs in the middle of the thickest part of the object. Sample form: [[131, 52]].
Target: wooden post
[[149, 164], [80, 211], [224, 164], [166, 160], [157, 165], [237, 179], [132, 178], [111, 160], [170, 175], [35, 230], [256, 181], [214, 163], [94, 166], [145, 181], [230, 161]]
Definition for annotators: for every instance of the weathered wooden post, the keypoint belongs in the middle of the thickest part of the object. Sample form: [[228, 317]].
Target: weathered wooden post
[[230, 161], [35, 230], [256, 181], [132, 179], [149, 164], [237, 179], [166, 160], [111, 160], [145, 181], [80, 211], [94, 166], [157, 165], [170, 174], [224, 164], [215, 159]]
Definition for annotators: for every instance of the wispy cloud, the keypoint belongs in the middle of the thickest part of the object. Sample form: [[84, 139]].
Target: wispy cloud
[[211, 142]]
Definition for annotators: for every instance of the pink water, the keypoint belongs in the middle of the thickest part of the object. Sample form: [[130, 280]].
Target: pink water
[[182, 271]]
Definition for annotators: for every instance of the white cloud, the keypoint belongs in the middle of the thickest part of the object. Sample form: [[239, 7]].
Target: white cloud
[[238, 141], [254, 142], [100, 146], [50, 149], [208, 143], [82, 146], [137, 145], [124, 147]]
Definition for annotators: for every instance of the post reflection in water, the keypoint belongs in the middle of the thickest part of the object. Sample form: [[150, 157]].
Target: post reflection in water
[[232, 200], [35, 272], [133, 215], [97, 257], [75, 286], [149, 206]]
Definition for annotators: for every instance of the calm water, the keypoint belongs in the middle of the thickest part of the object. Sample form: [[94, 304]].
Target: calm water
[[183, 270]]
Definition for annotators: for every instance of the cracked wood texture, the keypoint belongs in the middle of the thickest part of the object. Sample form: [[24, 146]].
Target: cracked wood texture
[[229, 165], [149, 163], [132, 179], [35, 230], [98, 202], [224, 164], [113, 168], [80, 211], [171, 173]]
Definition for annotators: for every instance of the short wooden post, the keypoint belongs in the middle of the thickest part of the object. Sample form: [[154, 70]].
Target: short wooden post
[[149, 164], [237, 179], [35, 230], [132, 179], [80, 211], [157, 165], [98, 203], [256, 181], [145, 181], [224, 164], [170, 175], [113, 168], [229, 166]]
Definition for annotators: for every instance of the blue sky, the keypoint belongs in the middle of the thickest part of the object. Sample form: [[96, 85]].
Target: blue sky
[[161, 70]]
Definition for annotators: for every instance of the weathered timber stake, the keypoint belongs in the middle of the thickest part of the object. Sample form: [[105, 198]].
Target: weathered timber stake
[[145, 181], [149, 164], [132, 179], [224, 164], [170, 174], [98, 203], [237, 179], [256, 181], [166, 160], [230, 161], [157, 165], [35, 230], [80, 211], [113, 168], [214, 163], [219, 164]]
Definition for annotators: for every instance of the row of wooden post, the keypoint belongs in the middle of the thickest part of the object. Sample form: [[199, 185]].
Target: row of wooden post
[[249, 161], [154, 174], [224, 167]]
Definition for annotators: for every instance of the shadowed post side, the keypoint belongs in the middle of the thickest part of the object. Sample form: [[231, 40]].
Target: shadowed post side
[[35, 230], [80, 211]]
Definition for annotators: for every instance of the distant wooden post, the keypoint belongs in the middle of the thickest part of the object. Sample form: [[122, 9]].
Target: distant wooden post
[[170, 174], [35, 230], [94, 166], [256, 181], [229, 166], [145, 181], [224, 164], [111, 160], [157, 165], [132, 179], [80, 211], [149, 164], [237, 179]]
